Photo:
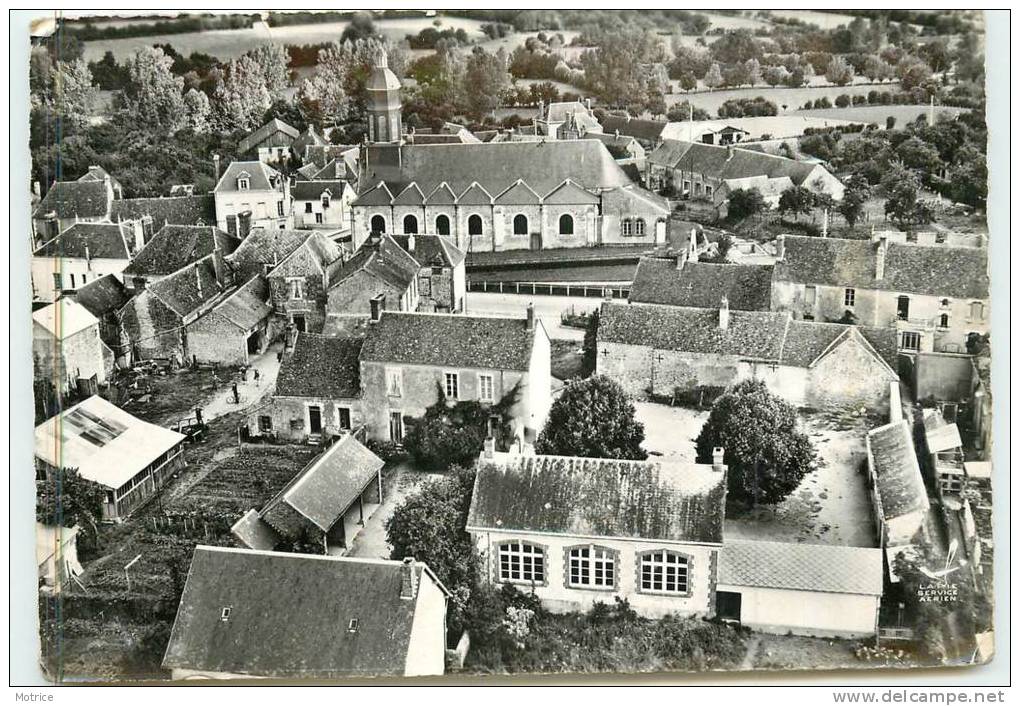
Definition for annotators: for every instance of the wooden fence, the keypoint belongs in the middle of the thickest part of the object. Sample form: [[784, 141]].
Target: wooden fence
[[550, 289]]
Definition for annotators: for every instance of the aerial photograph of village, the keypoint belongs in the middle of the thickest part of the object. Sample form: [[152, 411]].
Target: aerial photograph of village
[[493, 343]]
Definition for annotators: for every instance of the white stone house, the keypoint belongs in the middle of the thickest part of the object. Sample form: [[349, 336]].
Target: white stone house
[[252, 194], [67, 348], [82, 253]]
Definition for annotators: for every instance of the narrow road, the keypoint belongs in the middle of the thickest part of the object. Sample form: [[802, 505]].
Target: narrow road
[[250, 392]]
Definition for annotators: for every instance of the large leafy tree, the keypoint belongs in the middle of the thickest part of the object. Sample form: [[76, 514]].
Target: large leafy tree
[[767, 454], [153, 96], [272, 60], [745, 203], [838, 71], [903, 205], [593, 418], [488, 78], [242, 98], [855, 195], [796, 200]]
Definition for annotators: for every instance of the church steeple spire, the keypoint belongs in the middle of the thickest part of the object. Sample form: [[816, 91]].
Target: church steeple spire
[[383, 102]]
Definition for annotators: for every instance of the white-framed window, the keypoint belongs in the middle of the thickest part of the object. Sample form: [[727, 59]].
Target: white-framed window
[[279, 209], [308, 206], [521, 562], [325, 200], [296, 287], [394, 382], [591, 567], [849, 296], [708, 190], [318, 218], [910, 341], [452, 385], [663, 571], [639, 227], [260, 210], [243, 183], [486, 388], [627, 228], [977, 311], [265, 423]]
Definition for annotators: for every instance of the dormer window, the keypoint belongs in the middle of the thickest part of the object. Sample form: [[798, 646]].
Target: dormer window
[[325, 199], [243, 183]]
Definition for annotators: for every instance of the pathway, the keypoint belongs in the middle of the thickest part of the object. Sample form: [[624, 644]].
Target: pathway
[[402, 481], [250, 392]]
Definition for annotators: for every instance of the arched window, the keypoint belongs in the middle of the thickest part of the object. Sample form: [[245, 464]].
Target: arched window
[[566, 224], [663, 571], [475, 225], [378, 224], [521, 562], [520, 224], [944, 321], [627, 228], [443, 224], [410, 224], [639, 227]]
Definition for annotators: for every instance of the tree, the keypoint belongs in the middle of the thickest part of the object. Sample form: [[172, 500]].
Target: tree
[[361, 27], [197, 110], [903, 205], [917, 154], [153, 96], [968, 179], [753, 69], [745, 203], [796, 200], [682, 111], [938, 55], [766, 453], [616, 71], [775, 75], [855, 194], [736, 48], [272, 60], [713, 77], [590, 347], [488, 78], [876, 69], [65, 499], [838, 71], [73, 92], [593, 418], [913, 73], [242, 97]]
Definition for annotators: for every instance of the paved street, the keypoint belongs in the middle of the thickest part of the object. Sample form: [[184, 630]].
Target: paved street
[[548, 309]]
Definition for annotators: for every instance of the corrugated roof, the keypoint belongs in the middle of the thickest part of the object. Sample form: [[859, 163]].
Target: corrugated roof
[[900, 486], [289, 615], [450, 339], [178, 210], [321, 366], [106, 444], [64, 318], [175, 246], [591, 497], [102, 240], [801, 567], [702, 284], [67, 199]]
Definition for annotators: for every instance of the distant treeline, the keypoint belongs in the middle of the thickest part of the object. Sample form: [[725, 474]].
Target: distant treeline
[[89, 31]]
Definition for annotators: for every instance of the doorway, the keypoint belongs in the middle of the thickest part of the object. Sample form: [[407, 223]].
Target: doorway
[[253, 343], [314, 420], [536, 241], [727, 605], [396, 427], [299, 323]]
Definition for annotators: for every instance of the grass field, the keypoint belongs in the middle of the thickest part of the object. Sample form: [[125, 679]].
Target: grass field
[[786, 99], [878, 113]]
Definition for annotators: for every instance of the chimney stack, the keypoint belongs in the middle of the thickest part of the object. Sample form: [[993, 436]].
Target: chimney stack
[[781, 248], [724, 313], [531, 317], [216, 167], [138, 283], [883, 246], [408, 579], [244, 224], [717, 459], [587, 104], [377, 305]]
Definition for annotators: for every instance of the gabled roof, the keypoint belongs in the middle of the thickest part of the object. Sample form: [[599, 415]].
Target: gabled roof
[[650, 130], [309, 190], [432, 250], [702, 284], [935, 270], [321, 154], [68, 199], [175, 246], [801, 567], [179, 210], [898, 477], [475, 195], [103, 295], [410, 196], [382, 258], [543, 165], [752, 335], [263, 133], [807, 342], [259, 174], [324, 489], [449, 339], [518, 193], [188, 289], [290, 614], [570, 192], [306, 139], [106, 444], [101, 240], [378, 195], [596, 497], [559, 111], [728, 162], [321, 366], [246, 305], [267, 246], [64, 318], [97, 173]]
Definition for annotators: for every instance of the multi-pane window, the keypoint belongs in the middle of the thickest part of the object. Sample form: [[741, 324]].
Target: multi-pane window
[[394, 382], [591, 567], [639, 227], [452, 385], [944, 321], [485, 388], [297, 287], [627, 228], [849, 296], [58, 282], [663, 571], [522, 562], [242, 184], [810, 293], [911, 341], [265, 423]]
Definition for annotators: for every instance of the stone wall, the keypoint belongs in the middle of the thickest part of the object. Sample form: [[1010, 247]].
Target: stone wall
[[154, 330], [289, 416]]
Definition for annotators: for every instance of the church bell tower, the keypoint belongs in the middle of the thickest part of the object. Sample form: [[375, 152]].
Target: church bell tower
[[383, 103]]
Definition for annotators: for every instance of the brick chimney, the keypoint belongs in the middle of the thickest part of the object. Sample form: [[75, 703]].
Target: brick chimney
[[377, 305], [408, 579], [883, 247], [781, 248], [724, 313], [717, 459], [531, 317], [244, 224]]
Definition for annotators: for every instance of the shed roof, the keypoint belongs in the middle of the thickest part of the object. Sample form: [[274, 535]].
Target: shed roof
[[939, 434], [321, 366], [103, 295], [648, 130], [898, 476], [825, 568], [274, 126], [595, 497]]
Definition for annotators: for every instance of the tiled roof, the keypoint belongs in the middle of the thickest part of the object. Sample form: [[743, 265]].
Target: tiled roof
[[719, 162], [247, 305], [103, 295], [274, 126], [493, 166], [103, 240], [175, 246], [801, 567], [188, 289], [84, 199], [451, 340], [591, 497], [266, 246], [260, 176], [324, 489], [308, 190], [900, 486], [97, 173], [702, 284], [755, 335], [321, 154], [289, 615], [179, 210], [649, 130], [306, 139], [384, 259], [432, 250], [321, 366], [936, 270], [807, 340]]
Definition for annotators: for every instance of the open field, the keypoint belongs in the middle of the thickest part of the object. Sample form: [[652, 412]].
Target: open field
[[878, 113], [786, 99]]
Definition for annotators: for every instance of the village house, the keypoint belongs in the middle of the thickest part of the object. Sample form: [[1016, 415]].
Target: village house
[[695, 170], [410, 358], [338, 617], [683, 281], [308, 138], [666, 350], [575, 531], [172, 248], [933, 295], [66, 203], [819, 590], [67, 349], [104, 298], [898, 494], [271, 142], [625, 149], [647, 132], [130, 458], [324, 205], [442, 280], [154, 213], [566, 120], [80, 254], [493, 196], [326, 503], [317, 394], [299, 282], [251, 194], [330, 162], [237, 326], [56, 555]]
